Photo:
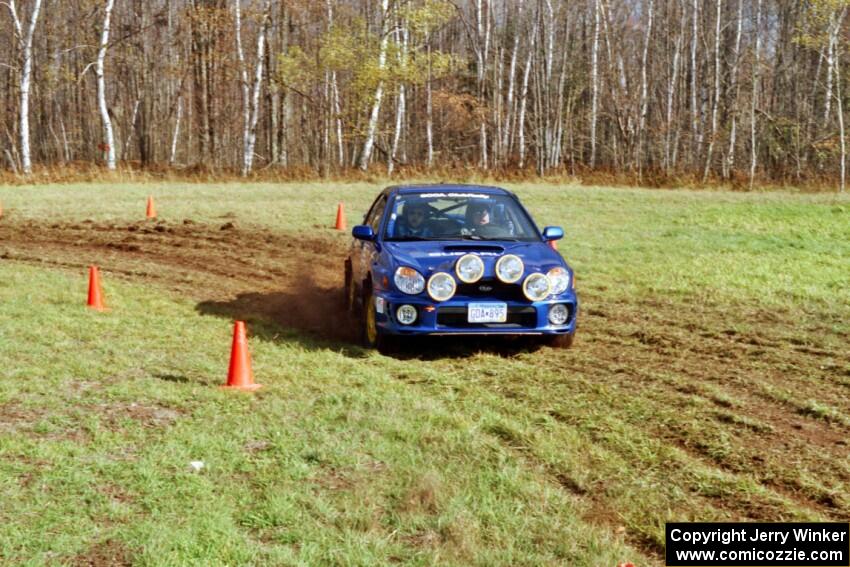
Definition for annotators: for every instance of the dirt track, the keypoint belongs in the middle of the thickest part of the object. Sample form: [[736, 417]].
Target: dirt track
[[209, 264], [668, 353]]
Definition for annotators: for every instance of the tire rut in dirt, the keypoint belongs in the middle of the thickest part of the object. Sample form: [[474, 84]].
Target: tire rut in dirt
[[242, 273]]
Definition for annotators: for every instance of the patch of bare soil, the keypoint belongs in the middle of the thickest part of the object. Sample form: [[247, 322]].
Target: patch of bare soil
[[109, 552], [238, 272]]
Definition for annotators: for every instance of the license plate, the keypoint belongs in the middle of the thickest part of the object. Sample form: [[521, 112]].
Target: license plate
[[487, 312]]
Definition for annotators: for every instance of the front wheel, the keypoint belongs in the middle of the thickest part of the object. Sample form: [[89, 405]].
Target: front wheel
[[372, 336]]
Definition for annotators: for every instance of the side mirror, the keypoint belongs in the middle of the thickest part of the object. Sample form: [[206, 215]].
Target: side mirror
[[363, 232], [551, 233]]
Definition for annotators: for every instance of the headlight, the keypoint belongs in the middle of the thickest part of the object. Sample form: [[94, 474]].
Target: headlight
[[536, 287], [409, 280], [560, 280], [406, 314], [441, 286], [469, 268], [509, 268]]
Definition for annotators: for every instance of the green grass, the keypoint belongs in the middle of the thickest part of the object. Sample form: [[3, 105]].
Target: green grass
[[333, 461], [709, 383]]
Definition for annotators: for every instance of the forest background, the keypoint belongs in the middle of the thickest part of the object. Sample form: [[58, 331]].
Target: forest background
[[651, 92]]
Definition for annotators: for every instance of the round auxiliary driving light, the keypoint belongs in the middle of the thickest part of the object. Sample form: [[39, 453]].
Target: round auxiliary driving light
[[469, 268], [558, 314], [441, 286], [509, 268], [406, 314], [536, 287]]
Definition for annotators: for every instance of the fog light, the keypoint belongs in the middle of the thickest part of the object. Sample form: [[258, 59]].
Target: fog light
[[558, 314], [406, 314]]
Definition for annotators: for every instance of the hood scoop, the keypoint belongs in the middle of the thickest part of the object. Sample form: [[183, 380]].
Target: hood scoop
[[471, 247]]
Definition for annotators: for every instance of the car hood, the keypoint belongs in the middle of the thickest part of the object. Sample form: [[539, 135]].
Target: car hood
[[429, 257]]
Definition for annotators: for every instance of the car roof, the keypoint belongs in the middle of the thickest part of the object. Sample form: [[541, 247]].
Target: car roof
[[447, 188]]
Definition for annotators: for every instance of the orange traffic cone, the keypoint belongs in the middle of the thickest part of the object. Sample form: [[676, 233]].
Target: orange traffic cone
[[240, 376], [95, 294], [553, 244], [151, 212], [340, 217]]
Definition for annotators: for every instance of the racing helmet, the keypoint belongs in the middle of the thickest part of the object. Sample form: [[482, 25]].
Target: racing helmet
[[475, 206]]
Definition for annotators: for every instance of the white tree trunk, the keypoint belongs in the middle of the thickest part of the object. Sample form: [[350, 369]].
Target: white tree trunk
[[644, 99], [671, 91], [754, 97], [733, 131], [369, 142], [509, 101], [258, 84], [482, 50], [523, 101], [243, 74], [173, 155], [594, 80], [126, 145], [830, 61], [716, 102], [24, 39], [337, 114], [251, 98], [838, 102], [840, 109], [109, 138], [695, 114], [429, 119], [399, 122]]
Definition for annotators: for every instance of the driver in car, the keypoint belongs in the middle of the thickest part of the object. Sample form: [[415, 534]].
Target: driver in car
[[479, 221], [414, 220]]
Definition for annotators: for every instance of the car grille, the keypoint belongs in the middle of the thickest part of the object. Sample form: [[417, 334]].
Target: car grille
[[518, 317], [492, 289]]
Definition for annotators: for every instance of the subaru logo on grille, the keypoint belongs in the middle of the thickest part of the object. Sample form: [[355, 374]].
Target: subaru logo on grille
[[485, 288]]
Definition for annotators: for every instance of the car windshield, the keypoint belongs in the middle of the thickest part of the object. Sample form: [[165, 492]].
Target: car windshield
[[458, 216]]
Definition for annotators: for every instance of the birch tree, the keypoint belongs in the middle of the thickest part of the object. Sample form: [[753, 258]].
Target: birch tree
[[754, 97], [716, 98], [108, 137], [594, 81], [372, 128], [696, 128], [644, 98], [24, 33], [669, 158], [729, 162], [250, 97]]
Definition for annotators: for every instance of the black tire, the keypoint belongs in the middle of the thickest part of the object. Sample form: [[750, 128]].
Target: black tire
[[559, 341]]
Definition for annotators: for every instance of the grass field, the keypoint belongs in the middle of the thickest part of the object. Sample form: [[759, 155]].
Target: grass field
[[710, 380]]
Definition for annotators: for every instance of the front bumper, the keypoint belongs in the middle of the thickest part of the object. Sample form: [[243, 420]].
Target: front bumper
[[450, 317]]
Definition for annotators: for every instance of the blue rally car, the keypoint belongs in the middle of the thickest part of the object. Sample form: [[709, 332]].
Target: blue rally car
[[457, 260]]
